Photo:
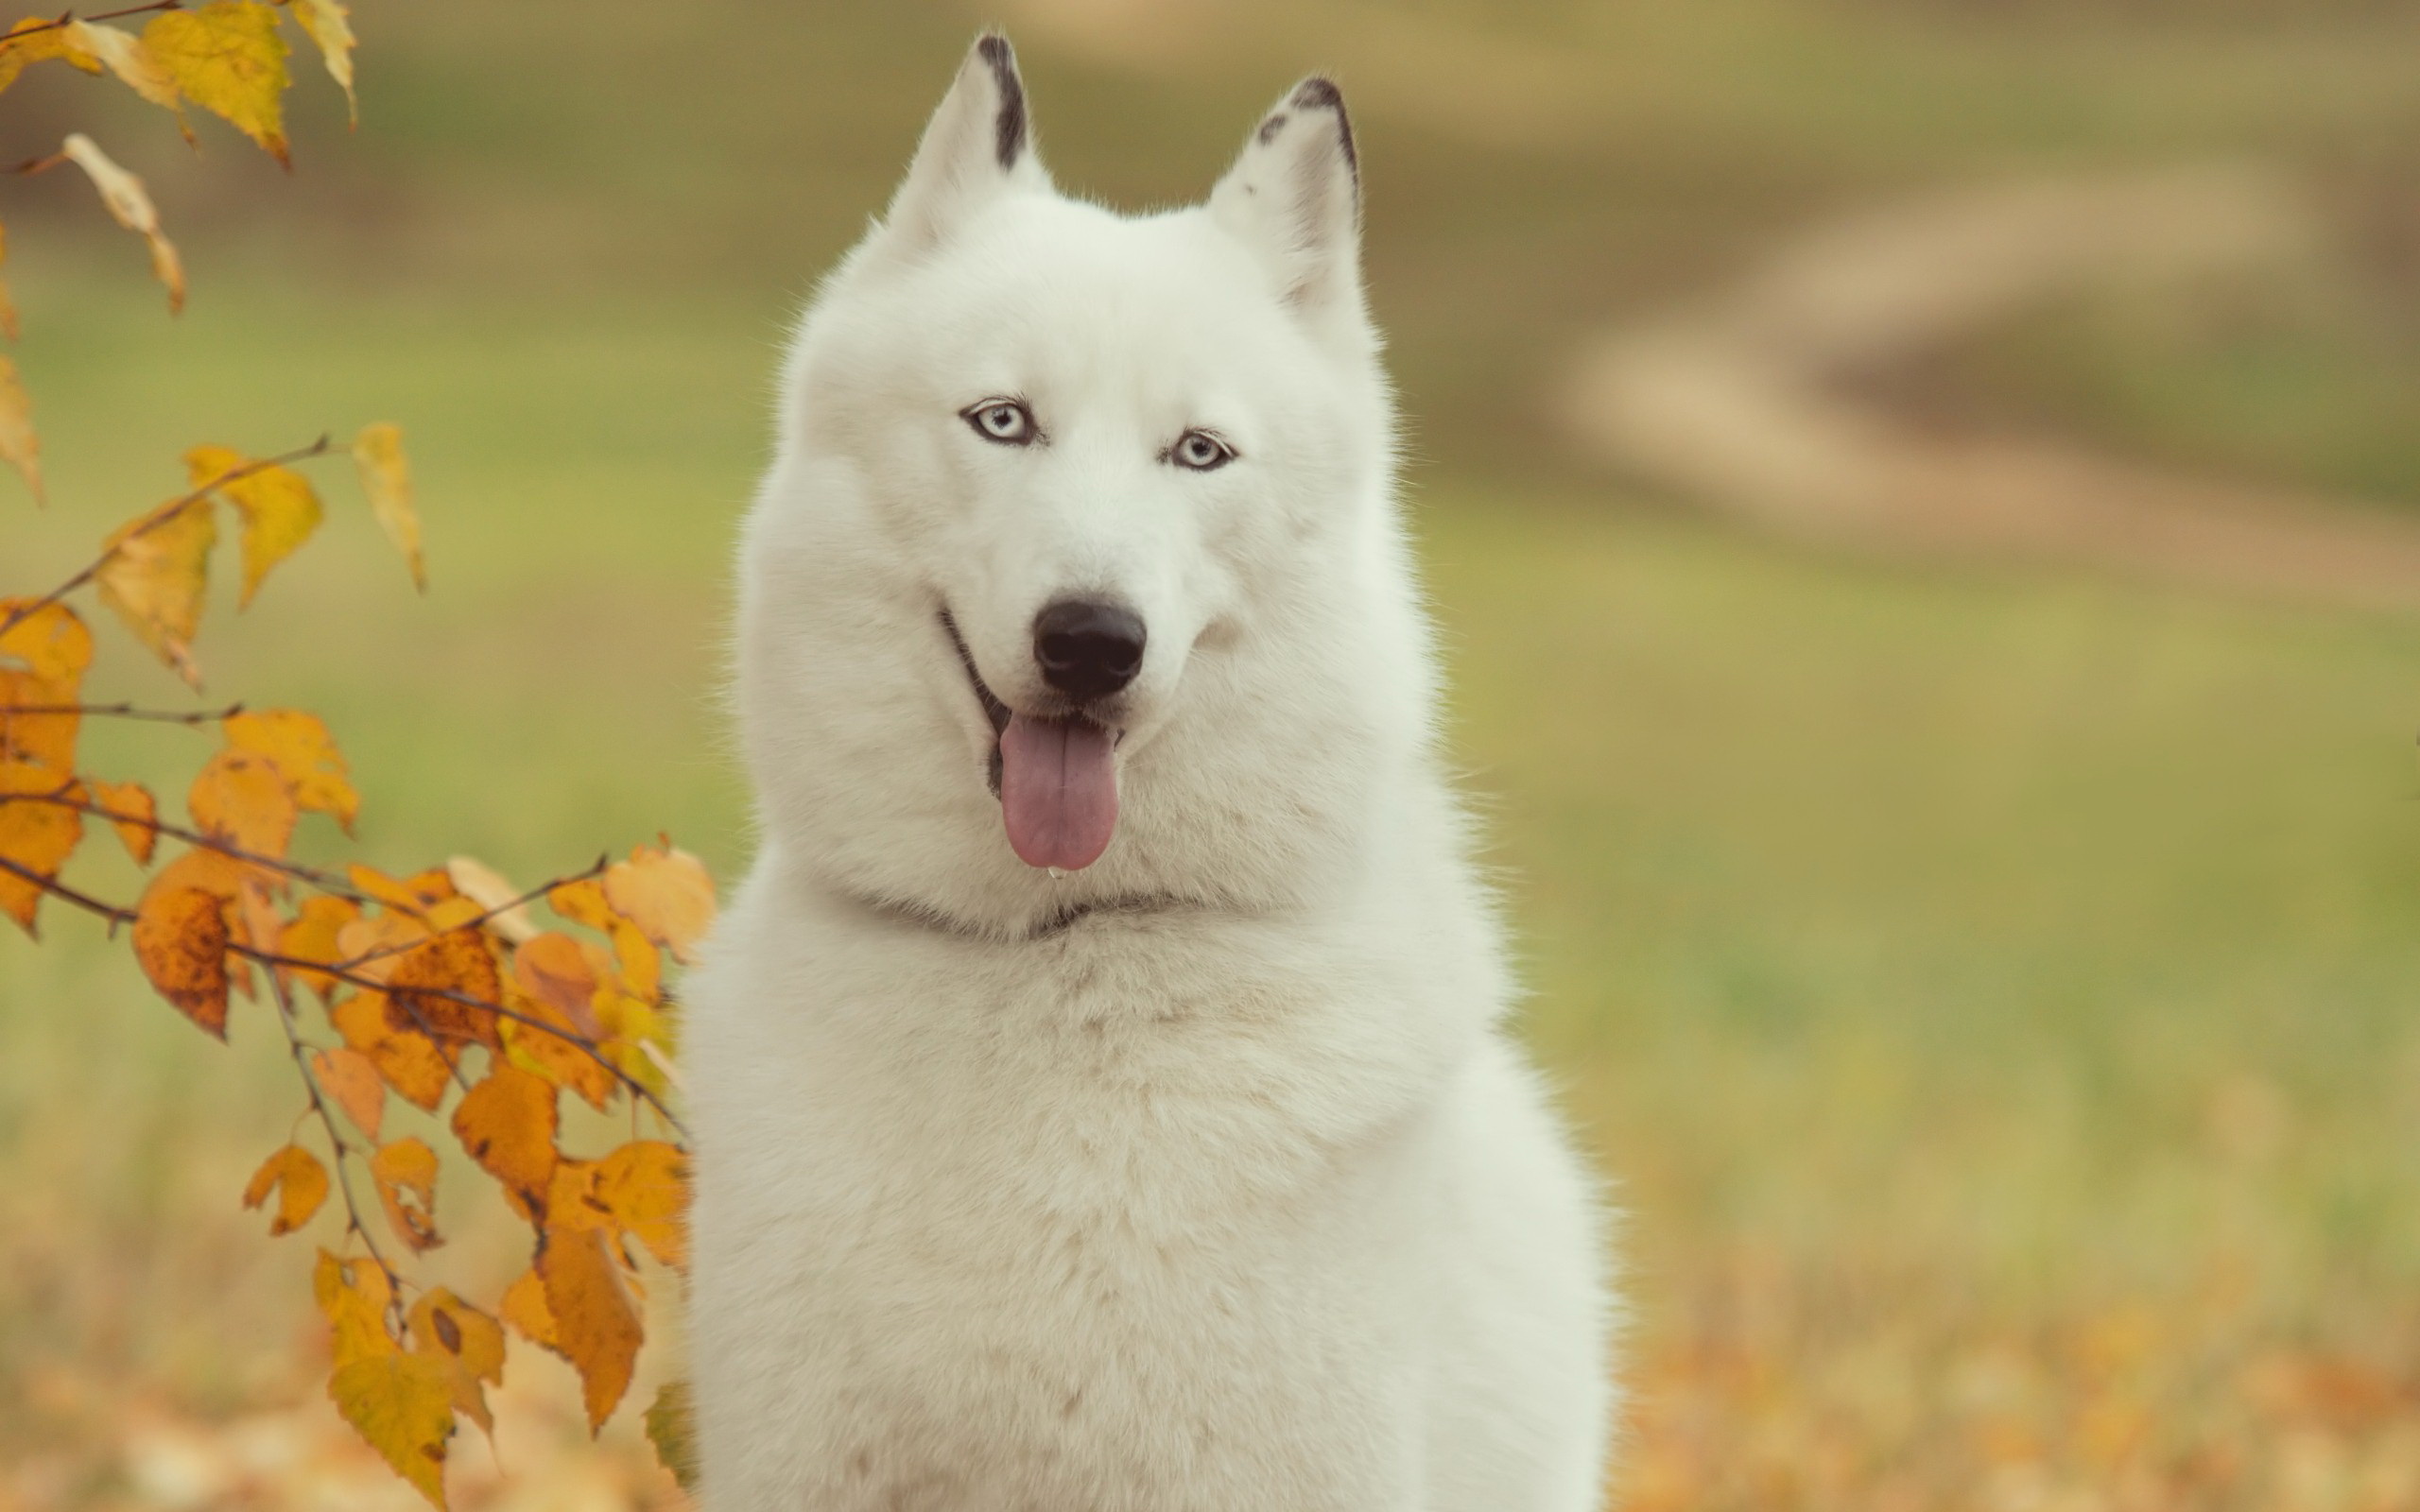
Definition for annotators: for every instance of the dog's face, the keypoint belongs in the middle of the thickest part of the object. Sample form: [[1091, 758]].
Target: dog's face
[[1064, 498]]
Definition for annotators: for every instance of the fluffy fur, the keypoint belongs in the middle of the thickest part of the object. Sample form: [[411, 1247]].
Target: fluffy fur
[[1205, 1176]]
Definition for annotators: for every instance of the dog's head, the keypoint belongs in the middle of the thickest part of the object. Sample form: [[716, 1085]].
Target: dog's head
[[1076, 580]]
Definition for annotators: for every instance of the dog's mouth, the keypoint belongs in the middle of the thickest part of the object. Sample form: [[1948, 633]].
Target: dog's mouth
[[1056, 777]]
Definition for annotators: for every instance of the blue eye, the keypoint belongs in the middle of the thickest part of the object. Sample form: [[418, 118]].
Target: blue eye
[[1006, 422], [1201, 451]]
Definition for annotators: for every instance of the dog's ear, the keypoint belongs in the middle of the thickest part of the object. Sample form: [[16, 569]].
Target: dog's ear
[[979, 144], [1294, 195]]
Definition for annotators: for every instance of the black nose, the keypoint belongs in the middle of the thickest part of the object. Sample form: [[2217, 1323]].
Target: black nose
[[1088, 650]]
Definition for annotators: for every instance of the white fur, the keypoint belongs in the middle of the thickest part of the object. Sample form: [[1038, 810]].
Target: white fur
[[1205, 1178]]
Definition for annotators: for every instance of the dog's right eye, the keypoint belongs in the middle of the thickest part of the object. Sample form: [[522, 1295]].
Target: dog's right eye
[[1005, 421]]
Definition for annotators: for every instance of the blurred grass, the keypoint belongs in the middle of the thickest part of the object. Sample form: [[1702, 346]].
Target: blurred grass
[[1936, 959]]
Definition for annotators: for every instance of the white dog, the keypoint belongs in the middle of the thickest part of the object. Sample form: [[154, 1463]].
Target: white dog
[[1101, 1096]]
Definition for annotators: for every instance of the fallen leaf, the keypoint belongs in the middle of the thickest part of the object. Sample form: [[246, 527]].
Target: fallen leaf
[[240, 799], [351, 1078], [227, 58], [595, 1321], [324, 21], [668, 894], [139, 827], [508, 1122], [387, 478], [19, 447], [278, 507], [180, 939], [300, 1181], [406, 1172], [129, 205], [155, 574], [36, 837], [410, 1064], [300, 747]]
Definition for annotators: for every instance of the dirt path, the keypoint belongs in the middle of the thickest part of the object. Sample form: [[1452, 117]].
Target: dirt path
[[1745, 402]]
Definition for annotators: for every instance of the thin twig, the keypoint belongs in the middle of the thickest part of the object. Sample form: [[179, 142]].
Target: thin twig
[[157, 518], [116, 915], [326, 882], [474, 923], [124, 711], [68, 18]]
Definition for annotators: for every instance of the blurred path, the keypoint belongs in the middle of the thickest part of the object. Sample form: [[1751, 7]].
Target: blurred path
[[1761, 403]]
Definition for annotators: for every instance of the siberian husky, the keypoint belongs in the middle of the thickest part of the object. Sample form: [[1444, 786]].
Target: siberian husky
[[1101, 1084]]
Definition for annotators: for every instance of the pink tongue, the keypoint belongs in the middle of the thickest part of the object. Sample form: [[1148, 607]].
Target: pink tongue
[[1058, 790]]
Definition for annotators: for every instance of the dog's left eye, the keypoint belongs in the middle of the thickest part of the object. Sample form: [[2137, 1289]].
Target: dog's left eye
[[1201, 451], [1005, 421]]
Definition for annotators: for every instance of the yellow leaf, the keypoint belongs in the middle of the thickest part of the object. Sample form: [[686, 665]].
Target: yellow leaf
[[181, 937], [352, 1079], [508, 1125], [50, 642], [279, 510], [155, 573], [584, 902], [354, 1297], [671, 1427], [228, 59], [413, 895], [42, 657], [300, 747], [387, 478], [644, 1186], [406, 1172], [129, 204], [668, 894], [525, 1308], [312, 936], [35, 40], [470, 1345], [301, 1183], [409, 1062], [139, 827], [240, 799], [403, 1406], [19, 447], [125, 55], [35, 837], [324, 20], [483, 884], [595, 1321]]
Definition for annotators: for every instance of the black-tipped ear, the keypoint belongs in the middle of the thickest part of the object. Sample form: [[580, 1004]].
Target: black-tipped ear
[[979, 143], [1294, 195]]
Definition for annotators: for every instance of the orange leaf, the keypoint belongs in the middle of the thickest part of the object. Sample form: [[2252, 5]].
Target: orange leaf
[[35, 837], [155, 572], [181, 937], [352, 1079], [413, 895], [383, 936], [51, 642], [387, 478], [300, 747], [415, 1068], [468, 1342], [429, 984], [312, 936], [324, 20], [486, 887], [129, 205], [19, 447], [278, 507], [406, 1172], [596, 1322], [240, 799], [668, 894], [525, 1308], [228, 59], [508, 1125], [584, 902], [138, 830], [403, 1406], [644, 1186], [301, 1183], [42, 657]]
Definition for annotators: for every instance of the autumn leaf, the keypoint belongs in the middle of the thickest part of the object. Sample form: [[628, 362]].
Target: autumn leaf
[[227, 58], [468, 1342], [50, 647], [129, 205], [35, 40], [406, 1172], [644, 1186], [350, 1078], [240, 799], [486, 887], [429, 984], [324, 20], [668, 894], [374, 944], [507, 1123], [525, 1308], [277, 505], [413, 895], [36, 837], [671, 1427], [300, 1181], [126, 56], [138, 827], [595, 1321], [312, 936], [403, 1406], [410, 1064], [19, 447], [354, 1297], [154, 575], [300, 747], [181, 937], [584, 902], [387, 478]]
